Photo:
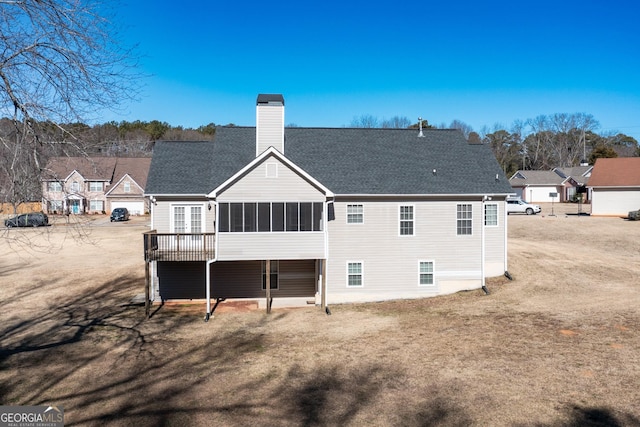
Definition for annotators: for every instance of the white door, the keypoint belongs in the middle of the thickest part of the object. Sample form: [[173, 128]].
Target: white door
[[188, 220]]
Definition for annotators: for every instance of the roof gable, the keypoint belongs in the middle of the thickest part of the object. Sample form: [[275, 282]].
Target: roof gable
[[268, 154], [616, 172], [90, 168], [534, 177]]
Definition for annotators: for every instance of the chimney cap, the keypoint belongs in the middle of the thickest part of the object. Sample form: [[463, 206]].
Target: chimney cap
[[267, 98]]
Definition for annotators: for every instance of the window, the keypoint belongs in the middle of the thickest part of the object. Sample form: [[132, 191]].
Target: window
[[223, 221], [491, 214], [236, 218], [95, 186], [55, 186], [354, 274], [250, 217], [406, 220], [306, 216], [277, 217], [273, 277], [266, 217], [464, 220], [75, 186], [55, 206], [126, 186], [426, 273], [292, 217], [96, 205], [179, 219], [355, 214]]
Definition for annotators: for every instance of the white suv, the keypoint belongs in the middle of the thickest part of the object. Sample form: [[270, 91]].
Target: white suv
[[520, 206]]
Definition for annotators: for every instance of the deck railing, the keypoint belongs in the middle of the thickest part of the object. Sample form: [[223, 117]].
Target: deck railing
[[178, 246]]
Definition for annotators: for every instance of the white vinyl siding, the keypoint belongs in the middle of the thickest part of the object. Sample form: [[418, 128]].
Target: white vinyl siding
[[286, 207], [270, 127], [392, 261]]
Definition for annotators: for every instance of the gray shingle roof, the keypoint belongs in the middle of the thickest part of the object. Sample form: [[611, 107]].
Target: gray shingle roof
[[347, 161]]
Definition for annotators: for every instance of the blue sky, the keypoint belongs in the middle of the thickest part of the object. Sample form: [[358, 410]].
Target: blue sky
[[484, 63]]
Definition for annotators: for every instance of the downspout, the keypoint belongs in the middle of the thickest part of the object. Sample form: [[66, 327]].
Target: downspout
[[506, 229], [211, 261], [482, 250]]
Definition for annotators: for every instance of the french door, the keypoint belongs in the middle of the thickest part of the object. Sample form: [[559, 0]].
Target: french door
[[187, 219]]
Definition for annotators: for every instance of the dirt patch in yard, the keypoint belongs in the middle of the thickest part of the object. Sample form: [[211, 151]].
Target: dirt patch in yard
[[556, 346]]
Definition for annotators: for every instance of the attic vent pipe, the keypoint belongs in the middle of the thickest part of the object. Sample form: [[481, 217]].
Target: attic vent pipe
[[420, 134]]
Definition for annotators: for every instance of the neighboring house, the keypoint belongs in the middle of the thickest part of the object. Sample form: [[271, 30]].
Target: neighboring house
[[579, 178], [615, 186], [79, 185], [323, 215], [536, 186]]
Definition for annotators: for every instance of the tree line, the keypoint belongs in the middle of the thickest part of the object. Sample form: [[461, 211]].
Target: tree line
[[541, 143]]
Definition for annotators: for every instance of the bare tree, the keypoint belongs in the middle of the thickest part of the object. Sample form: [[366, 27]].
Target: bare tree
[[59, 63], [365, 121], [396, 122], [461, 126]]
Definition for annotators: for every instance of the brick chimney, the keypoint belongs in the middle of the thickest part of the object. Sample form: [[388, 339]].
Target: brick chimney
[[269, 123]]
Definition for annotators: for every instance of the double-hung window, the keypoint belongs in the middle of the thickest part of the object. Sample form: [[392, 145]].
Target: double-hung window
[[464, 217], [55, 186], [426, 273], [406, 220], [355, 214], [354, 274], [96, 205], [95, 186]]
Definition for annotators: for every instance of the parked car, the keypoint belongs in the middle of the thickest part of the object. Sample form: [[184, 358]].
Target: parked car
[[520, 206], [36, 219], [120, 214]]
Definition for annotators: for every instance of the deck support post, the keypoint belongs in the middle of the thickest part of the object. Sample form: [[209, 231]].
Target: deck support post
[[147, 284], [323, 296], [267, 269]]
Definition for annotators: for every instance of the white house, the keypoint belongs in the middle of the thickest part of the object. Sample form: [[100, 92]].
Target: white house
[[323, 215]]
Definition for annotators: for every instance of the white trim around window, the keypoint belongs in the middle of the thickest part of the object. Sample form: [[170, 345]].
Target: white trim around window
[[406, 220], [426, 273], [96, 186], [464, 219], [55, 186], [491, 212], [355, 274], [355, 213]]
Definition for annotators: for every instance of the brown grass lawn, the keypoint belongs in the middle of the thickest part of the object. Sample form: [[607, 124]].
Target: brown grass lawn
[[557, 346]]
